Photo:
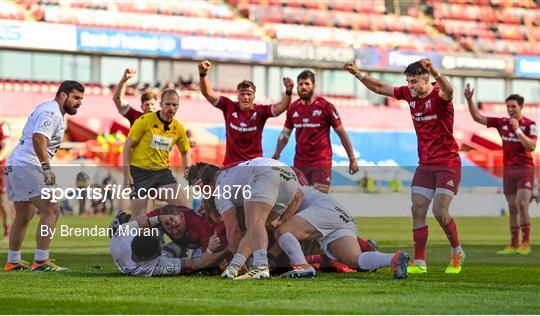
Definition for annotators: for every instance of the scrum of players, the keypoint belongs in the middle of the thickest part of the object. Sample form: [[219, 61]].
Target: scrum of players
[[265, 225]]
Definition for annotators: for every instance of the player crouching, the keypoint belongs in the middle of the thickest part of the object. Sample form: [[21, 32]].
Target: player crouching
[[321, 217]]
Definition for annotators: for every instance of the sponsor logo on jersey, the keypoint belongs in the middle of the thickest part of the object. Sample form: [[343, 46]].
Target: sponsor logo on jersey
[[427, 105], [420, 118], [532, 130], [161, 142], [305, 120], [242, 124], [242, 129]]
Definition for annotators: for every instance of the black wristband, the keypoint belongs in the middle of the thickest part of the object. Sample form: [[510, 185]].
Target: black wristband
[[289, 93], [202, 74]]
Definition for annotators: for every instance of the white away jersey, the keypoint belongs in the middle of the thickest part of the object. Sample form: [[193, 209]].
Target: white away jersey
[[47, 120], [120, 247], [265, 179]]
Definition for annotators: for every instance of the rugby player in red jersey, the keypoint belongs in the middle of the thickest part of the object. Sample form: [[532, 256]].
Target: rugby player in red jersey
[[244, 120], [438, 175], [312, 116], [518, 135]]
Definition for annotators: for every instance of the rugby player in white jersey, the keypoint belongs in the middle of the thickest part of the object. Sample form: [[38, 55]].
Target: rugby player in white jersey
[[136, 247], [28, 171], [264, 187], [320, 217]]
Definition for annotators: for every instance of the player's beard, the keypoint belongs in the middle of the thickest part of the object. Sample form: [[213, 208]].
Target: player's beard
[[69, 109], [306, 95]]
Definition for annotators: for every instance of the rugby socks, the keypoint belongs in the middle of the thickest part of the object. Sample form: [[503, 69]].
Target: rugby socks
[[514, 232], [291, 246], [450, 230], [364, 245], [237, 261], [260, 258], [525, 230], [41, 255], [374, 260], [14, 256], [420, 237]]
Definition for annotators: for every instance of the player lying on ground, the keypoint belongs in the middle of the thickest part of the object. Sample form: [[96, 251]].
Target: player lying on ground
[[143, 254]]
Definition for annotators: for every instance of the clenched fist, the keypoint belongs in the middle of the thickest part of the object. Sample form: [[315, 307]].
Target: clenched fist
[[204, 66], [289, 84], [128, 74]]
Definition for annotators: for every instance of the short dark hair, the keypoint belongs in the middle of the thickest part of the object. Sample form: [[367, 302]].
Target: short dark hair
[[148, 95], [516, 97], [207, 173], [194, 172], [169, 209], [169, 91], [146, 247], [246, 84], [306, 74], [68, 86], [415, 69]]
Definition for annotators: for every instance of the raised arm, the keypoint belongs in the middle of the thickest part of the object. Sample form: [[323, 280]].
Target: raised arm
[[204, 84], [477, 117], [283, 139], [285, 102], [371, 83], [120, 91], [447, 92]]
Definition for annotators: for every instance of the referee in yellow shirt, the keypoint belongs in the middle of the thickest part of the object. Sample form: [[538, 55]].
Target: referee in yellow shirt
[[146, 155]]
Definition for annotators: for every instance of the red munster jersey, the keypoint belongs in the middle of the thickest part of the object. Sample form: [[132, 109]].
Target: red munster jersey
[[514, 154], [4, 134], [132, 115], [199, 229], [243, 130], [312, 123], [433, 119]]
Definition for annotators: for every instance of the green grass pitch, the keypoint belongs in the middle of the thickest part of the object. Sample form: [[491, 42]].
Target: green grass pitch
[[489, 284]]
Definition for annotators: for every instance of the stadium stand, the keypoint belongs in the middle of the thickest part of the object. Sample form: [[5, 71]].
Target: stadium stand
[[198, 18], [506, 27], [343, 23]]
